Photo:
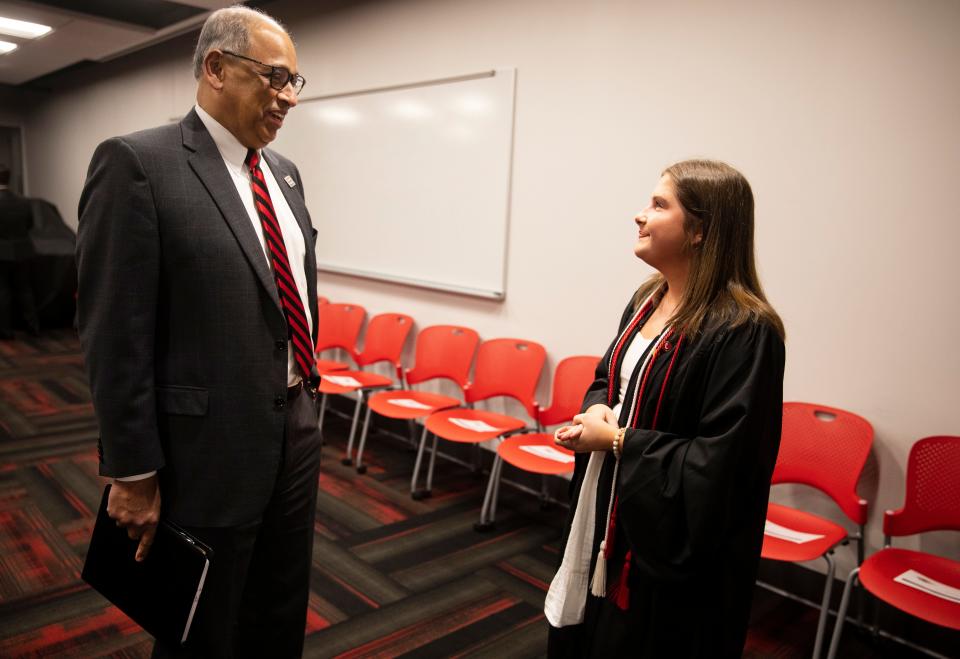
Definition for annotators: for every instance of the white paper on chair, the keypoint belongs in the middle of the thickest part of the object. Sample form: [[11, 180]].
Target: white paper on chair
[[930, 586], [549, 453], [406, 402], [473, 424], [774, 530], [342, 380]]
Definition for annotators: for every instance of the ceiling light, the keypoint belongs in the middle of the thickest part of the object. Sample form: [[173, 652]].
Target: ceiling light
[[22, 29], [6, 47]]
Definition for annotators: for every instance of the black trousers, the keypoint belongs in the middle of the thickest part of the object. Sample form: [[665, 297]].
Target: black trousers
[[254, 602]]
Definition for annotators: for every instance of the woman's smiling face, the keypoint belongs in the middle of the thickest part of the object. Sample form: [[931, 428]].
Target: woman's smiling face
[[662, 238]]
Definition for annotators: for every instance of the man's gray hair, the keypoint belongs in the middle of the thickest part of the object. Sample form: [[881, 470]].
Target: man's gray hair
[[228, 29]]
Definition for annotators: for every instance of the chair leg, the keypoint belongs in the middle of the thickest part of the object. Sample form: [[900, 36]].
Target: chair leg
[[433, 462], [486, 522], [544, 492], [825, 605], [842, 614], [353, 428], [496, 493], [477, 467], [362, 468], [414, 492]]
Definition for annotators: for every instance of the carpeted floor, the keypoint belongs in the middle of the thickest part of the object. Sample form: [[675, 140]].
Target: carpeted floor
[[391, 576]]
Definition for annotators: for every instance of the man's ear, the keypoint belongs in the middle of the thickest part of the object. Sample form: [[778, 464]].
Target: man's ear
[[213, 69]]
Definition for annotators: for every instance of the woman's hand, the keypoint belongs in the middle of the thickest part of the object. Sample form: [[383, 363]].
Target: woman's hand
[[591, 432], [604, 412]]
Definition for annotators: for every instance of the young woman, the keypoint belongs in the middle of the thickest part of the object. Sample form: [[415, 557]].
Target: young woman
[[677, 440]]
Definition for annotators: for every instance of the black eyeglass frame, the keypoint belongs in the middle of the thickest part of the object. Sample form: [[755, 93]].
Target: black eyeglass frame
[[275, 74]]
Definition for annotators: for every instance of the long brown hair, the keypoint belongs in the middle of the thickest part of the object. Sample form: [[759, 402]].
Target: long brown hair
[[722, 287]]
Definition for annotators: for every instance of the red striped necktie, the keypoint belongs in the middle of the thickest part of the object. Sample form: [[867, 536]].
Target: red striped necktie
[[297, 327]]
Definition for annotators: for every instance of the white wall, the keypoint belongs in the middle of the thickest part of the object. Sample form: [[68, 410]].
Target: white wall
[[842, 115]]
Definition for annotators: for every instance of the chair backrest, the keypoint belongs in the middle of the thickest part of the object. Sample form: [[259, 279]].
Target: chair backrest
[[338, 326], [571, 379], [826, 448], [932, 501], [508, 367], [383, 342], [444, 351], [322, 300]]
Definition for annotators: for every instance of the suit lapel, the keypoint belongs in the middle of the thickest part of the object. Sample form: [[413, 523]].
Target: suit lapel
[[293, 197], [207, 163]]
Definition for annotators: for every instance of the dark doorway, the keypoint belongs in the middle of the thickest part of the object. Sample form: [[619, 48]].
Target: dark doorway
[[11, 155]]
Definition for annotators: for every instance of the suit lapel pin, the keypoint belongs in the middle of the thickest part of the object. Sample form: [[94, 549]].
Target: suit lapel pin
[[290, 181]]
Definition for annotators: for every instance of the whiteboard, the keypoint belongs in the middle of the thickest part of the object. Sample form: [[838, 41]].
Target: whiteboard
[[411, 183]]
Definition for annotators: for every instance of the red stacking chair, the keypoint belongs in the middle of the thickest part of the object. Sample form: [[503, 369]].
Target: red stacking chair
[[442, 351], [338, 326], [386, 335], [825, 448], [921, 584], [537, 452], [505, 367]]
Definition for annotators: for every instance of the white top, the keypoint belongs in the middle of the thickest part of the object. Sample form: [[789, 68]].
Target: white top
[[630, 360]]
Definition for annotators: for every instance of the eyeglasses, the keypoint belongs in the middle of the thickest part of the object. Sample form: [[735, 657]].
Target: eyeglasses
[[279, 76]]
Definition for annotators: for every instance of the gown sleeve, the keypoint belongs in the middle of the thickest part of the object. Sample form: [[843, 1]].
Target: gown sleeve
[[686, 500]]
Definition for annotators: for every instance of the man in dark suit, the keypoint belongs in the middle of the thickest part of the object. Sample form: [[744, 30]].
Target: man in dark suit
[[197, 306], [16, 289]]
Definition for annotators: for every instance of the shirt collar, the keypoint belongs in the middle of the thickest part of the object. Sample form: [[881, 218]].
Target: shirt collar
[[229, 146]]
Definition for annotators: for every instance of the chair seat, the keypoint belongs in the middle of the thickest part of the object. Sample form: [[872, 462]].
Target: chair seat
[[779, 549], [329, 365], [878, 572], [418, 404], [364, 381], [444, 424], [512, 451]]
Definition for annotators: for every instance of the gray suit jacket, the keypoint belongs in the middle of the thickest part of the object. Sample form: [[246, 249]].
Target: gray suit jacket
[[183, 333]]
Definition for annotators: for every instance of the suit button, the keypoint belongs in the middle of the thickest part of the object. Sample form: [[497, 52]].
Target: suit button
[[279, 402], [281, 345]]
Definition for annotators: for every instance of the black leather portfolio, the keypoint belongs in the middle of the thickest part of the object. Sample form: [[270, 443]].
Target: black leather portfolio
[[161, 593]]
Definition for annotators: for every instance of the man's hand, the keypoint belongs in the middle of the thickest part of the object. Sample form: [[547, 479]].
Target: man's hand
[[135, 505]]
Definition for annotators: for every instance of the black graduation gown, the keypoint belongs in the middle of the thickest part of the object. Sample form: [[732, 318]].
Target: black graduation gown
[[692, 499]]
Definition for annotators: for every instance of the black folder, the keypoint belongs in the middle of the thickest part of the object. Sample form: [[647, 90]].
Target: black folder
[[161, 593]]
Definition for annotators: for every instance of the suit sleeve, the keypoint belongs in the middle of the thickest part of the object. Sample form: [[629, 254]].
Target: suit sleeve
[[682, 498], [118, 261]]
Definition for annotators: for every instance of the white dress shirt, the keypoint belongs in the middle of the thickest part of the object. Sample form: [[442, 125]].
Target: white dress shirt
[[233, 154]]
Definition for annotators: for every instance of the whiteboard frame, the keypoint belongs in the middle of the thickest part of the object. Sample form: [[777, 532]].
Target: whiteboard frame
[[499, 295]]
